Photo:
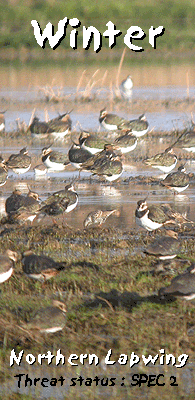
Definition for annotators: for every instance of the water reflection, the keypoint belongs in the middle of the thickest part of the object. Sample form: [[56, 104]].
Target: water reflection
[[93, 194]]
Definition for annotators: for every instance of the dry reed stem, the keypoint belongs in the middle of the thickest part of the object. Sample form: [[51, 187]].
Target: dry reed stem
[[21, 125], [102, 80], [107, 302], [50, 94], [89, 81], [119, 68], [80, 80], [104, 77], [32, 116], [90, 85]]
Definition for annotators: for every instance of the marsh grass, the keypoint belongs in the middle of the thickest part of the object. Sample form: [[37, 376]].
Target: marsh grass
[[87, 94], [97, 294], [111, 303]]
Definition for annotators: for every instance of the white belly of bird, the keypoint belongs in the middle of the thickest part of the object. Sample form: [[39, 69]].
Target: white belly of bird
[[179, 189], [112, 177], [39, 277], [71, 207], [39, 135], [51, 330], [3, 183], [20, 170], [2, 126], [6, 275], [54, 165], [128, 149], [40, 172], [167, 257], [92, 150], [165, 168], [108, 126], [31, 218], [147, 223], [189, 149], [189, 297], [127, 84], [60, 135], [140, 133]]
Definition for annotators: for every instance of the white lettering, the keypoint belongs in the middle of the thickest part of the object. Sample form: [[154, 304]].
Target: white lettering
[[153, 33], [13, 357], [74, 22], [130, 35], [73, 357], [134, 359], [87, 38], [111, 33], [48, 33], [107, 359], [183, 362], [30, 359], [150, 359], [59, 357], [123, 359]]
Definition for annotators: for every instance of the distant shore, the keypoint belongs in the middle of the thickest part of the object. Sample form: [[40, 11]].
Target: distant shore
[[61, 56]]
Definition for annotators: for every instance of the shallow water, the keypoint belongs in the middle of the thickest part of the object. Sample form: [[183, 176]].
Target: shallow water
[[163, 121], [95, 193], [21, 91], [169, 83]]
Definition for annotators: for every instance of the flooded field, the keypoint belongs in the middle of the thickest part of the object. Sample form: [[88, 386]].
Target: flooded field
[[138, 181], [166, 99], [109, 286]]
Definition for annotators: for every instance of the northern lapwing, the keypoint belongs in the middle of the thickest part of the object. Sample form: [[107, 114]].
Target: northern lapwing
[[126, 143], [91, 143], [126, 87], [50, 319], [164, 247], [20, 162], [39, 129], [40, 267], [151, 217], [110, 121], [105, 163], [60, 126], [54, 160], [177, 181], [60, 202], [139, 126], [183, 285], [7, 261], [186, 141], [78, 155], [21, 208], [127, 84], [165, 161]]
